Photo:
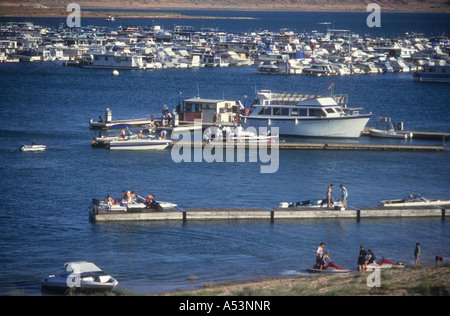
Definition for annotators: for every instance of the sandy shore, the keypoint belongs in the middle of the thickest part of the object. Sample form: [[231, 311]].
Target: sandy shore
[[421, 281]]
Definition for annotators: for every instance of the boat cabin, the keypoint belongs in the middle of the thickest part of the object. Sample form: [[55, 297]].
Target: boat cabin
[[209, 110]]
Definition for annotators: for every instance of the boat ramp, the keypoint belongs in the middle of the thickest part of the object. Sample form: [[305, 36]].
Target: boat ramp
[[270, 214]]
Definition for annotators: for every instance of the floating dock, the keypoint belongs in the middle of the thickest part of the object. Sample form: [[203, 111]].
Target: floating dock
[[271, 214], [324, 146]]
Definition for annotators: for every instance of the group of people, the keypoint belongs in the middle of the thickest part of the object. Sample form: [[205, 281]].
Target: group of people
[[365, 257], [129, 197], [344, 195]]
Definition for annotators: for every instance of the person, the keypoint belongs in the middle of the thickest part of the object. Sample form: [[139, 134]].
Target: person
[[100, 120], [344, 195], [133, 196], [110, 201], [438, 259], [323, 262], [140, 134], [370, 257], [319, 253], [417, 255], [150, 202], [329, 195], [362, 258], [122, 135]]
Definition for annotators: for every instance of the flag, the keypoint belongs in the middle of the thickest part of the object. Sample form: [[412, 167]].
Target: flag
[[330, 86]]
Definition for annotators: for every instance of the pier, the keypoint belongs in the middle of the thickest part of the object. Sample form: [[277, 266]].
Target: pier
[[272, 214], [324, 146]]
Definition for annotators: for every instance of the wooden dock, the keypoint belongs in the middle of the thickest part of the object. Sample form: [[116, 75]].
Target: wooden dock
[[271, 214]]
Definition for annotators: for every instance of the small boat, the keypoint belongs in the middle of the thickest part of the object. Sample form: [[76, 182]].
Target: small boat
[[33, 147], [237, 135], [139, 144], [390, 133], [385, 264], [331, 268], [138, 205], [321, 203], [80, 275], [413, 200]]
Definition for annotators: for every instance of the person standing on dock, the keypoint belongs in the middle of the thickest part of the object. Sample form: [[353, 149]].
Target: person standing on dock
[[344, 195], [329, 195], [417, 255]]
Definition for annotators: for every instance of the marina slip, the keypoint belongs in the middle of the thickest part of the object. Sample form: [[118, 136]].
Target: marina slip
[[220, 218]]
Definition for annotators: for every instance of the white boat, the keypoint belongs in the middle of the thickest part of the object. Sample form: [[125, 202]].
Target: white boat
[[320, 69], [432, 73], [390, 133], [416, 200], [237, 134], [138, 205], [145, 143], [305, 115], [33, 147], [80, 275], [321, 203]]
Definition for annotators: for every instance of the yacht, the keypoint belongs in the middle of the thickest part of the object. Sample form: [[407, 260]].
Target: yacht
[[432, 74], [320, 69], [305, 115]]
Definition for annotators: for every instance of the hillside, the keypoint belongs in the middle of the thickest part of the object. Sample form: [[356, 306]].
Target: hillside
[[284, 5]]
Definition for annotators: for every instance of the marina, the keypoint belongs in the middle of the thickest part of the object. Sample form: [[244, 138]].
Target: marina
[[222, 223]]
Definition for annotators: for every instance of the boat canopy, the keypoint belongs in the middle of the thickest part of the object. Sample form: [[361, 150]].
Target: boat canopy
[[318, 102]]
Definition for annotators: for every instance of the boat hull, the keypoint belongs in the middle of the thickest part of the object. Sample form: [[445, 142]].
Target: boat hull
[[139, 144], [341, 127]]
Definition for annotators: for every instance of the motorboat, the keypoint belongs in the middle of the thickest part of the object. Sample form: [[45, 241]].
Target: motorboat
[[432, 73], [331, 268], [384, 264], [33, 147], [390, 133], [305, 115], [321, 203], [137, 205], [144, 143], [237, 135], [79, 275], [413, 200]]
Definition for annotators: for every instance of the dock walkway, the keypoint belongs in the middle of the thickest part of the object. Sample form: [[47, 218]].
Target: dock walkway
[[271, 214]]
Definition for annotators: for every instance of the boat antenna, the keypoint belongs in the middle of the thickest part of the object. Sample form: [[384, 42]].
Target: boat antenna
[[198, 91]]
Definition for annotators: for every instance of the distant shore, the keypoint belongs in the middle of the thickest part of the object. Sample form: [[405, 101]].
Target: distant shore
[[139, 10], [412, 281]]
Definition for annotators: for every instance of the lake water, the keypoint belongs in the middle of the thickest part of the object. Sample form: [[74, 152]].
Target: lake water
[[44, 211]]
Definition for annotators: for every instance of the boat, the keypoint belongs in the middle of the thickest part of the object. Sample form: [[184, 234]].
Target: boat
[[320, 69], [305, 115], [432, 73], [416, 200], [331, 268], [384, 264], [134, 143], [33, 147], [237, 135], [80, 275], [390, 133], [320, 203], [137, 205]]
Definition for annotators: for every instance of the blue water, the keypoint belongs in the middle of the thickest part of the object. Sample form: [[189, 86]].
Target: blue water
[[44, 218]]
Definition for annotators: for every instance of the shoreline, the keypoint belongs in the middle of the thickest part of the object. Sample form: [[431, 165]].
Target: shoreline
[[410, 281]]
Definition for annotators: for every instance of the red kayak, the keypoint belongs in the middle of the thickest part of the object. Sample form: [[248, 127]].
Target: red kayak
[[385, 264], [331, 268]]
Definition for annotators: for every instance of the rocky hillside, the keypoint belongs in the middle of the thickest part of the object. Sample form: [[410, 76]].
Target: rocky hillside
[[297, 5]]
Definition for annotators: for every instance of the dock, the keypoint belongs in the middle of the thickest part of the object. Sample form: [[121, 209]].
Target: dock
[[272, 214], [324, 146]]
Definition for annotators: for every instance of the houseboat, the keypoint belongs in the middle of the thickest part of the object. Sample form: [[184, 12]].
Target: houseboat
[[432, 74], [305, 115]]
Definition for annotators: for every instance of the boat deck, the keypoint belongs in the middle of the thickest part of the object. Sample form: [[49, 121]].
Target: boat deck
[[272, 214]]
